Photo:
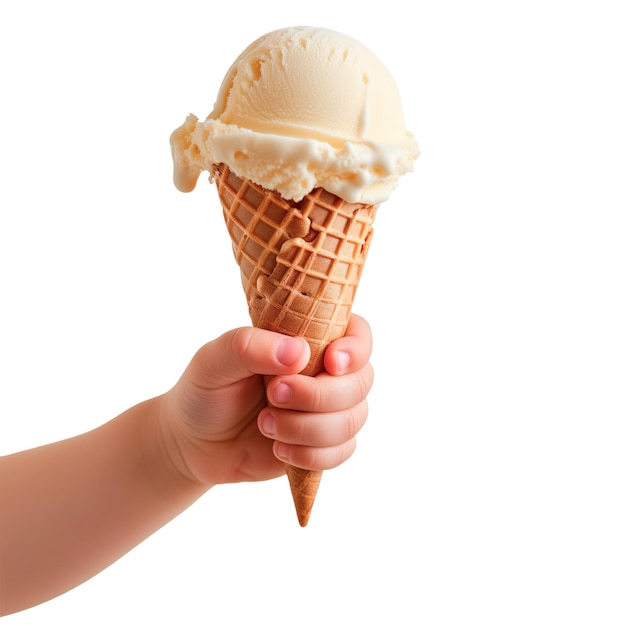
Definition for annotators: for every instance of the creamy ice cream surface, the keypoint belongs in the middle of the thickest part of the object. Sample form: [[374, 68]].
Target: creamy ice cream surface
[[302, 108]]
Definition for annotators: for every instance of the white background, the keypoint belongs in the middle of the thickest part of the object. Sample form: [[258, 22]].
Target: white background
[[489, 482]]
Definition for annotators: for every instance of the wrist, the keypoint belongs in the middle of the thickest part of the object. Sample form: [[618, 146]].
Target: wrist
[[164, 453]]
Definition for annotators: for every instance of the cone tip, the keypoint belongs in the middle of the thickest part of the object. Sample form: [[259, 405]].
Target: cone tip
[[304, 485]]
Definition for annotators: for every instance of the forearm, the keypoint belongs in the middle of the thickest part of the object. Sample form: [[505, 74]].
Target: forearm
[[70, 509]]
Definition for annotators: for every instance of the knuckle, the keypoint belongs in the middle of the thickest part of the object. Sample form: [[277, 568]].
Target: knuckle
[[355, 419], [299, 429], [241, 341], [317, 398], [340, 454], [327, 458], [365, 380]]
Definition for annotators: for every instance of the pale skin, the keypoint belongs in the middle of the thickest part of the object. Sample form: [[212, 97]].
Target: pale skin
[[71, 508]]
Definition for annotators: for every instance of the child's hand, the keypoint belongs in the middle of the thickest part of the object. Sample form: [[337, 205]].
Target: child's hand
[[89, 499], [216, 424]]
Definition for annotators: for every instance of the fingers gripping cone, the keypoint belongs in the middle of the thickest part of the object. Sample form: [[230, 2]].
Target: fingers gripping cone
[[300, 264]]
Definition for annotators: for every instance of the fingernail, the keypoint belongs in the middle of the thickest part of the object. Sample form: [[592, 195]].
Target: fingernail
[[289, 350], [282, 451], [267, 424], [343, 362], [281, 393]]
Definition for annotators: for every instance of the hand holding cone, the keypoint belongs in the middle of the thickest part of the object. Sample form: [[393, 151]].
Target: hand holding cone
[[300, 264]]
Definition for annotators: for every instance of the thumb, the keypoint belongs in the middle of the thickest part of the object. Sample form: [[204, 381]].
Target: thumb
[[246, 351]]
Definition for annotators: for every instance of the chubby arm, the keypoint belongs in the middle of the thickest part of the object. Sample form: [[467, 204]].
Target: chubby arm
[[71, 508]]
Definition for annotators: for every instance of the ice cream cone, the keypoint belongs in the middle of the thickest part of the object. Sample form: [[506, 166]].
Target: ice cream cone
[[300, 264]]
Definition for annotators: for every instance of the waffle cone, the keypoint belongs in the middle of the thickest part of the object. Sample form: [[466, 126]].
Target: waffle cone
[[300, 264]]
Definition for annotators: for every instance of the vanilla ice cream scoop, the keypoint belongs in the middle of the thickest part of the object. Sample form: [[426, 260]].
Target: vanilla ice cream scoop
[[302, 108]]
